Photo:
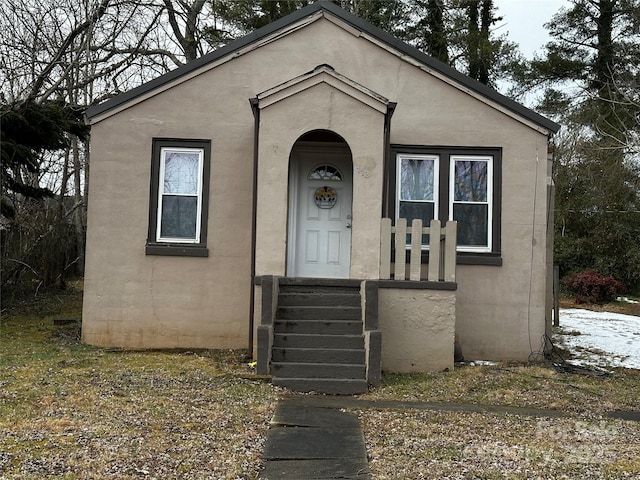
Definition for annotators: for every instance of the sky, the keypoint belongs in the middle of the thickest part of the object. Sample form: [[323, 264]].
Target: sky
[[524, 20]]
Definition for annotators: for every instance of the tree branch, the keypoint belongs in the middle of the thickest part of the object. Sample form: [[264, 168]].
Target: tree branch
[[42, 76]]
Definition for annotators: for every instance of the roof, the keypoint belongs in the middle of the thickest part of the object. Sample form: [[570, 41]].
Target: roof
[[356, 22]]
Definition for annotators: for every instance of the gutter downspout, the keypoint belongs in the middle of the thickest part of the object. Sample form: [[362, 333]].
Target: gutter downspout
[[391, 108], [254, 212]]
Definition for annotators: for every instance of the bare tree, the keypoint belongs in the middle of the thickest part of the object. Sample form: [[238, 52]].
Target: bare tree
[[184, 19], [75, 53]]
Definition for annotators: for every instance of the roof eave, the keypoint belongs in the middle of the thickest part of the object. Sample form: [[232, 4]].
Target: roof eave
[[352, 20], [187, 68], [443, 68]]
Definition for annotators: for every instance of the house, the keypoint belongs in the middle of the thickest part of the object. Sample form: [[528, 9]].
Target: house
[[241, 198]]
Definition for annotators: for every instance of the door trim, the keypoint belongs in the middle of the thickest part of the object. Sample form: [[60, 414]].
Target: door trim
[[292, 216], [297, 152]]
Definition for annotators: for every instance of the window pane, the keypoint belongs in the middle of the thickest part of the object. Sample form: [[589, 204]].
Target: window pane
[[181, 172], [473, 224], [411, 210], [422, 210], [179, 216], [470, 181], [416, 179], [325, 172]]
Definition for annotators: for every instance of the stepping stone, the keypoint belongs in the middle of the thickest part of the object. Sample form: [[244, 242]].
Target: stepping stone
[[306, 442], [297, 443], [317, 469], [294, 414]]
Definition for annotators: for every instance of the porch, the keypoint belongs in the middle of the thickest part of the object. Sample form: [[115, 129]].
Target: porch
[[326, 335]]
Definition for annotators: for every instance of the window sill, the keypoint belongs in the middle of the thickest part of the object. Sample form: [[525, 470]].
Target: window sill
[[490, 259], [176, 250]]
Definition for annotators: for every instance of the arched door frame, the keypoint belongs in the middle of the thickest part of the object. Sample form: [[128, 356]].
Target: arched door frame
[[307, 152]]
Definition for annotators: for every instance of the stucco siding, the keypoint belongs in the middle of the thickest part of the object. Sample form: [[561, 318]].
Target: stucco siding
[[134, 300], [321, 107], [418, 328], [137, 301]]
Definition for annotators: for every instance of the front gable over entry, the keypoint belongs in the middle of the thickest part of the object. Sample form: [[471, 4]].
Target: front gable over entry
[[321, 99], [327, 75]]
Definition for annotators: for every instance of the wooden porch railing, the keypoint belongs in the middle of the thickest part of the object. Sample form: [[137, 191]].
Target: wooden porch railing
[[442, 250]]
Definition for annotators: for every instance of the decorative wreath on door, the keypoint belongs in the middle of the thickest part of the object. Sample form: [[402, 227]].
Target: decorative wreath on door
[[325, 197]]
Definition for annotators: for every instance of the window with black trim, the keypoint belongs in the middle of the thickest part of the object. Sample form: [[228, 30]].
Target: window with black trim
[[179, 197], [451, 183]]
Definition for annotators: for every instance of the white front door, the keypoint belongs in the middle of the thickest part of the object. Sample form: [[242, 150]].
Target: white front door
[[320, 213]]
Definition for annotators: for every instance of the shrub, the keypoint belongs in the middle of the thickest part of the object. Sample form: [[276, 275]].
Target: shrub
[[592, 287]]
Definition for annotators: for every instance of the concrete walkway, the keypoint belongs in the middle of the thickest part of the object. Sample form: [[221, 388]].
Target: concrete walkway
[[311, 439], [314, 442], [355, 403]]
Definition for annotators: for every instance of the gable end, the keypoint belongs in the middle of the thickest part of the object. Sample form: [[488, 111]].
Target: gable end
[[357, 27]]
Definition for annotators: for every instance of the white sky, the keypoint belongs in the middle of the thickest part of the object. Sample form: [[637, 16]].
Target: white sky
[[523, 20]]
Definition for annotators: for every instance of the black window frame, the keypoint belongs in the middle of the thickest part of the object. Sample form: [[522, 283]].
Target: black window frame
[[444, 154], [154, 247]]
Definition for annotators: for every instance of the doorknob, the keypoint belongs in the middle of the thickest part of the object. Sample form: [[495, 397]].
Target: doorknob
[[348, 225]]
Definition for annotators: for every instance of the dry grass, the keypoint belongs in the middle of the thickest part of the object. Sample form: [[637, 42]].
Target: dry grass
[[615, 307], [438, 445], [416, 444], [413, 444], [71, 411], [518, 385]]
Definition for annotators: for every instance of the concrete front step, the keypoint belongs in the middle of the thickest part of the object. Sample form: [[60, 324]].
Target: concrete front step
[[318, 343], [296, 340], [330, 299], [318, 355], [318, 370], [318, 313], [321, 327], [297, 284], [331, 386]]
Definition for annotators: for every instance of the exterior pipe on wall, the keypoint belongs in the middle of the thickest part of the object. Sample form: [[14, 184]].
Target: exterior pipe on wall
[[391, 107], [254, 211]]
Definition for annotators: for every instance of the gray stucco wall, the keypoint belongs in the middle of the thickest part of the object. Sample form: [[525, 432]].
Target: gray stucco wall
[[135, 301], [418, 329]]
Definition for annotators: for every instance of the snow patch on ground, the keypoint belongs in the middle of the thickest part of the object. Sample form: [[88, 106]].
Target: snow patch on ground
[[626, 299], [600, 338], [483, 363]]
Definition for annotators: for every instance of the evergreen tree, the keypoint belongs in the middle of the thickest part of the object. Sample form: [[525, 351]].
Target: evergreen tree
[[595, 47], [35, 240], [430, 33], [590, 72], [29, 129], [478, 52], [236, 18], [391, 16]]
